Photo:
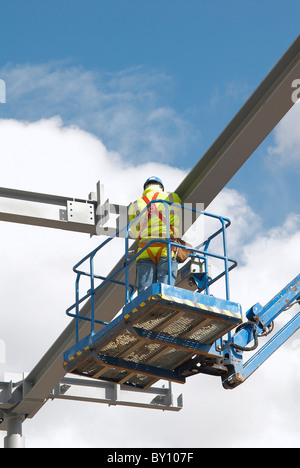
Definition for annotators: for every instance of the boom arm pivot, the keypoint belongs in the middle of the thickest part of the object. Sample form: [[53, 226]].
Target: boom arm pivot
[[260, 320]]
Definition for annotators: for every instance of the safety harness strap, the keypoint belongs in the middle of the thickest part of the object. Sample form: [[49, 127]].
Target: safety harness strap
[[155, 259], [154, 208]]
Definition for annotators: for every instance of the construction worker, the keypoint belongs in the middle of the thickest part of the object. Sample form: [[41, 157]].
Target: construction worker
[[152, 264]]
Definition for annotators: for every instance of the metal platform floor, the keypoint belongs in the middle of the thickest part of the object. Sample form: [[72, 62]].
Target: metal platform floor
[[156, 333]]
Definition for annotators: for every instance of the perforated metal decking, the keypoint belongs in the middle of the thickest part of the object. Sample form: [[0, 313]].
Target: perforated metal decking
[[156, 333]]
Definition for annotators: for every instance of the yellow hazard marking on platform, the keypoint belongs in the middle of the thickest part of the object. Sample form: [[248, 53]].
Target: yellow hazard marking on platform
[[142, 304], [126, 316], [233, 314], [207, 308], [79, 353]]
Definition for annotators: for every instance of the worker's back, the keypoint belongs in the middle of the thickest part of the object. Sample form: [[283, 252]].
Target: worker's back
[[152, 224]]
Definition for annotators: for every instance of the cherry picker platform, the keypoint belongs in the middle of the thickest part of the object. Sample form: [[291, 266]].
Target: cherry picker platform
[[172, 333], [157, 332]]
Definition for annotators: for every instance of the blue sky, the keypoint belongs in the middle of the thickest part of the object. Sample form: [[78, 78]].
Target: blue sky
[[97, 89]]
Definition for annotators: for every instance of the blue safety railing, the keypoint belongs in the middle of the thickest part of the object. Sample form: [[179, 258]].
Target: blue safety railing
[[200, 252]]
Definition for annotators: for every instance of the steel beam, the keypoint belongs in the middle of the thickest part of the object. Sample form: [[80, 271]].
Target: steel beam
[[80, 389], [93, 216], [96, 391], [19, 206]]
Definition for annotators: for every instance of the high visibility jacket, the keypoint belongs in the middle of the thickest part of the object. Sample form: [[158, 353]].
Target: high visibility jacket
[[152, 224]]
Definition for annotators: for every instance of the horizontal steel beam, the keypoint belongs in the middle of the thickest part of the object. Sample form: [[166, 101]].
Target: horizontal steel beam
[[92, 216], [18, 206], [96, 391]]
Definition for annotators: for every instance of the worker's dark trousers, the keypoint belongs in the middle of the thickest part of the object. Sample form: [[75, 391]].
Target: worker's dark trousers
[[149, 273]]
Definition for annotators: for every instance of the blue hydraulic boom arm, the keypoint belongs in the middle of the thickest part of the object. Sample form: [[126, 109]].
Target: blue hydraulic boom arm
[[260, 323]]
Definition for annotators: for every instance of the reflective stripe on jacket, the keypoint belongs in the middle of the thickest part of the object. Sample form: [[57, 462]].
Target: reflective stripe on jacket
[[152, 226]]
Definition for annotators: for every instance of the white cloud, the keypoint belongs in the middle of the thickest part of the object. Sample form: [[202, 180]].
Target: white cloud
[[37, 285], [269, 262], [48, 157], [128, 110]]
